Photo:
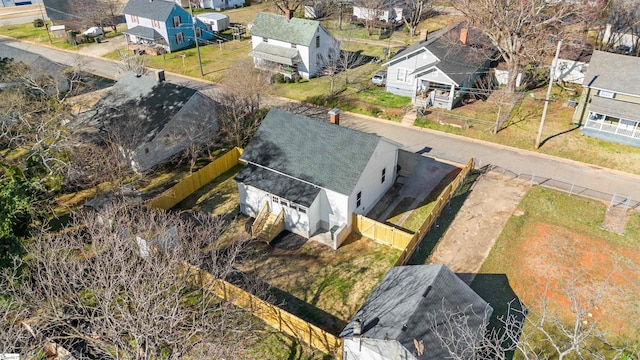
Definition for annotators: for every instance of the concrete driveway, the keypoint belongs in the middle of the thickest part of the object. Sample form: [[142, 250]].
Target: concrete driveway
[[476, 227]]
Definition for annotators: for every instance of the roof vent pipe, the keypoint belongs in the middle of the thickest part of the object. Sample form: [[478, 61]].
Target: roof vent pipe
[[357, 327]]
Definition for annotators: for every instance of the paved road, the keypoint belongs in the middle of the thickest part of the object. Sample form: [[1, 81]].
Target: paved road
[[569, 175]]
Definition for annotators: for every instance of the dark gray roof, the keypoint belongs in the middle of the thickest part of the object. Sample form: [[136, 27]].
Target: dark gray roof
[[458, 61], [296, 191], [295, 31], [150, 9], [400, 307], [315, 151], [616, 108], [615, 72], [61, 10], [143, 112], [38, 65], [143, 32]]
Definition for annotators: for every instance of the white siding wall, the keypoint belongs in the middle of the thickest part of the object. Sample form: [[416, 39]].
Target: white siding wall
[[334, 209], [397, 71], [370, 183], [326, 42], [371, 349], [252, 200], [144, 22], [314, 212], [569, 70], [302, 50]]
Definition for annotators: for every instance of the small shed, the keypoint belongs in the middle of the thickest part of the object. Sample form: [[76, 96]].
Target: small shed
[[58, 31], [214, 21]]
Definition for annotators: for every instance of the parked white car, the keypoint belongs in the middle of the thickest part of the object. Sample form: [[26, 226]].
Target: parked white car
[[93, 32]]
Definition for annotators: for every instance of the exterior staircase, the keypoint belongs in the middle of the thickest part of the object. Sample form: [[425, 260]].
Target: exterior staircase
[[267, 224]]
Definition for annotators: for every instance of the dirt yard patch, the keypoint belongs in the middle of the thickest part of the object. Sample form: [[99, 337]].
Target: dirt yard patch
[[554, 242], [477, 225]]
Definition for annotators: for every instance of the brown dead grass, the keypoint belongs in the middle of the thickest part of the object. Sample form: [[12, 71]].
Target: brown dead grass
[[550, 254]]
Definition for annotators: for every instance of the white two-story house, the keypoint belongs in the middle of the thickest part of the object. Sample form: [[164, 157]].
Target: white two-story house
[[291, 45], [161, 26]]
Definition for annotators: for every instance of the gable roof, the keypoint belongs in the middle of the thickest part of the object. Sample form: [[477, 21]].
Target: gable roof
[[312, 151], [458, 61], [150, 9], [399, 308], [295, 31], [601, 74], [140, 110], [143, 32]]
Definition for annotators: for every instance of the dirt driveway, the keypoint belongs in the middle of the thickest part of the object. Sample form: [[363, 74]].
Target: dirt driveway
[[476, 227]]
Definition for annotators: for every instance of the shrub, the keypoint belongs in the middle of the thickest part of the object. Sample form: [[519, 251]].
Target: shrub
[[297, 78], [38, 23], [277, 79]]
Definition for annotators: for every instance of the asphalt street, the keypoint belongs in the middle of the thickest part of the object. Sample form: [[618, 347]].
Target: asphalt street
[[566, 174]]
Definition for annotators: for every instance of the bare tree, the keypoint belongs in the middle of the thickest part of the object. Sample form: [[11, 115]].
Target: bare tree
[[418, 11], [113, 285], [518, 29], [370, 12], [535, 331], [287, 5], [134, 63], [238, 109]]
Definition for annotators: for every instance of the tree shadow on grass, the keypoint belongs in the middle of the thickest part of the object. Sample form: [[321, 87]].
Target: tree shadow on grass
[[288, 302], [496, 290]]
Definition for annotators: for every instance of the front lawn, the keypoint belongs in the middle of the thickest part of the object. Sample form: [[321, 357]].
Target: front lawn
[[560, 137], [39, 35]]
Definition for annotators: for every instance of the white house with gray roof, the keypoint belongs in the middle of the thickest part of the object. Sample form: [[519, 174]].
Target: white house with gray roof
[[161, 25], [396, 321], [441, 69], [609, 107], [290, 45], [317, 172]]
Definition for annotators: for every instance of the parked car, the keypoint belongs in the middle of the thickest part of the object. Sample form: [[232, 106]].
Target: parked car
[[93, 32], [379, 78]]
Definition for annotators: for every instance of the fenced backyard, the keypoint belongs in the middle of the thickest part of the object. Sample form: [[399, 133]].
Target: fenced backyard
[[399, 239]]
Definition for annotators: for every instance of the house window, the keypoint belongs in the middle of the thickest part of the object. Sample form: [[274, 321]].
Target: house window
[[358, 199], [402, 75], [384, 173], [318, 41], [606, 94], [302, 210], [284, 203], [199, 32], [265, 40], [135, 19], [293, 46], [179, 38], [177, 21], [275, 199]]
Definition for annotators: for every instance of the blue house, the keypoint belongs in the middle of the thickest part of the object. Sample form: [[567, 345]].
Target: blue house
[[159, 26]]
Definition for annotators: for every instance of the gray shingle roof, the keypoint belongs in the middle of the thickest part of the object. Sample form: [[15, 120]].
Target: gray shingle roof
[[457, 60], [619, 73], [615, 108], [144, 112], [279, 54], [315, 151], [282, 186], [296, 31], [150, 9], [143, 32], [38, 65], [408, 295]]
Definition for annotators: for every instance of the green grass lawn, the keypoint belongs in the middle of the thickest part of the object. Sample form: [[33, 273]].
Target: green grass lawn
[[39, 35], [554, 238], [560, 137]]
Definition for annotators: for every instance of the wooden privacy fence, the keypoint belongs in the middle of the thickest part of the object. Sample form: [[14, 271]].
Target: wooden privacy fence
[[277, 318], [402, 240], [195, 181]]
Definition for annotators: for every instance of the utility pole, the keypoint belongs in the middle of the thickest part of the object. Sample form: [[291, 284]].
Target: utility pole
[[44, 20], [546, 100], [193, 24]]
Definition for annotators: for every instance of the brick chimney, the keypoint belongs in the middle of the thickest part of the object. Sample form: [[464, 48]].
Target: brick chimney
[[424, 34], [463, 35], [288, 14], [334, 116]]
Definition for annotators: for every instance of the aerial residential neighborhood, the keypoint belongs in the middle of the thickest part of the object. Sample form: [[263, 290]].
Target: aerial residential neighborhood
[[360, 180]]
